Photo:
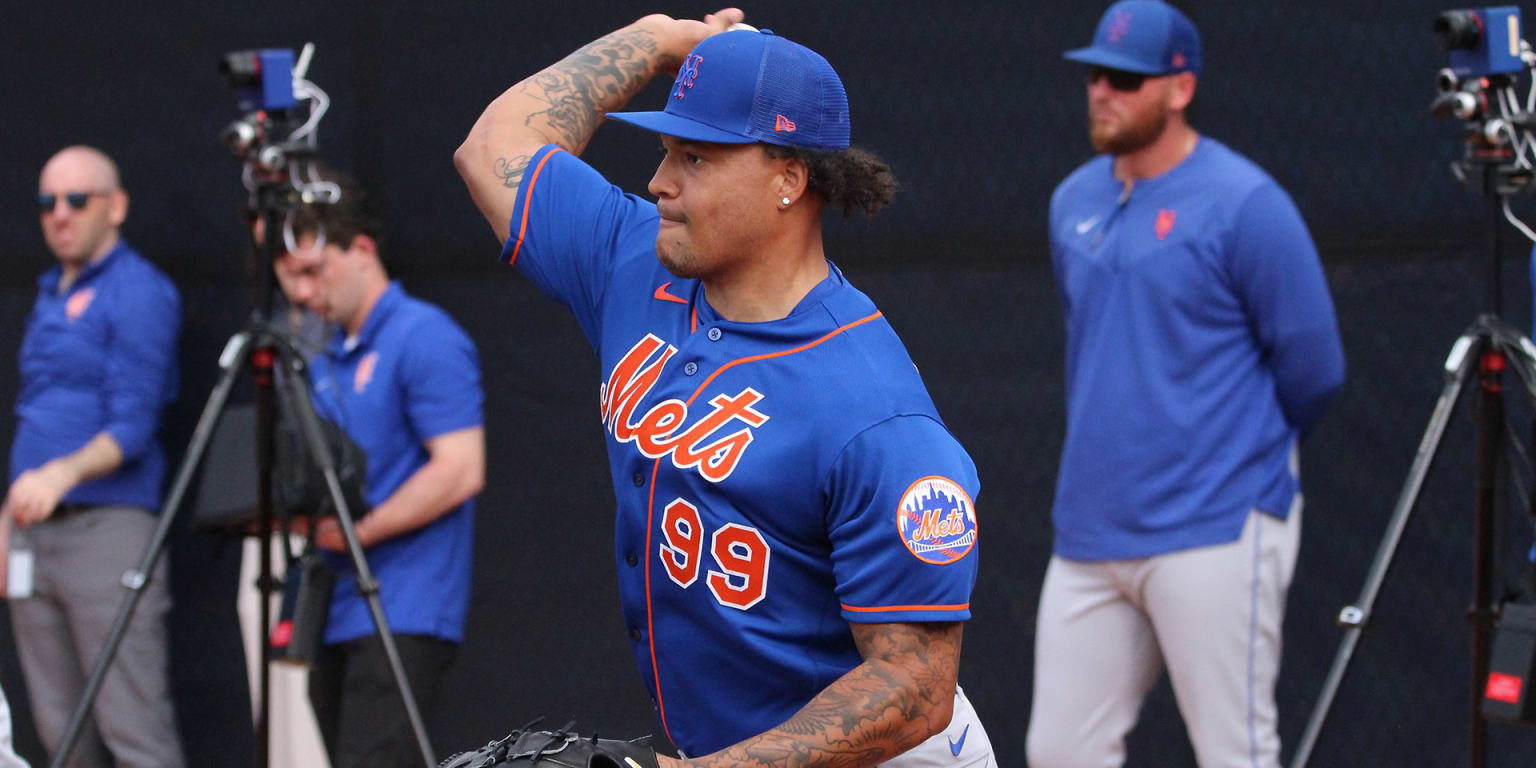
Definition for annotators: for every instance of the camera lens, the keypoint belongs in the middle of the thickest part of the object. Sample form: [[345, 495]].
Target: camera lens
[[242, 69], [1458, 29]]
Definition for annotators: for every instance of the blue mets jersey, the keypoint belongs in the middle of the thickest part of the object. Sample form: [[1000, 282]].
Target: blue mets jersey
[[774, 480]]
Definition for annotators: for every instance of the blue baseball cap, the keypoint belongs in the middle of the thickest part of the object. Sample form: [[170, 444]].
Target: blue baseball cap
[[747, 86], [1145, 36]]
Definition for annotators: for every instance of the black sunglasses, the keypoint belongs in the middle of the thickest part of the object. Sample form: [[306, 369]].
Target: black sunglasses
[[76, 200], [1119, 79]]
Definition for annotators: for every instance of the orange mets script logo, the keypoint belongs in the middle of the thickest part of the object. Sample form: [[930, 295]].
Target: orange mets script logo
[[655, 434], [686, 75], [937, 520]]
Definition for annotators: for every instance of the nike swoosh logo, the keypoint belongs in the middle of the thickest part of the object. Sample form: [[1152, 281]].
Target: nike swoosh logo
[[662, 295], [1086, 224], [956, 746]]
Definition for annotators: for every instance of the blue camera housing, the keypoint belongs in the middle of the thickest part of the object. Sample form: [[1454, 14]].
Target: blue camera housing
[[1498, 48], [274, 89]]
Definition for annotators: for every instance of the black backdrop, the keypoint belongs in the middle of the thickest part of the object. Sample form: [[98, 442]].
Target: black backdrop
[[972, 105]]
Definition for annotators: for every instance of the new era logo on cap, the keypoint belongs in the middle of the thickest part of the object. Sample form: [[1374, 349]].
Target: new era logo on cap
[[747, 86]]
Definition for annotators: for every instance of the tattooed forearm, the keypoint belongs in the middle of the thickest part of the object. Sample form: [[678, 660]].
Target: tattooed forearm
[[902, 694], [584, 86], [564, 103]]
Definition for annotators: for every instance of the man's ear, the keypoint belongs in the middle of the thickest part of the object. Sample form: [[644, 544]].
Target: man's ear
[[117, 208], [793, 179]]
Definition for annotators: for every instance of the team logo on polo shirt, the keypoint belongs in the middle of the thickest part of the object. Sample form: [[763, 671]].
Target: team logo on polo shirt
[[364, 373], [77, 303], [937, 520], [1164, 225]]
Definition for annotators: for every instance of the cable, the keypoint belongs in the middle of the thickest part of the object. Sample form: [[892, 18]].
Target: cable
[[1520, 225]]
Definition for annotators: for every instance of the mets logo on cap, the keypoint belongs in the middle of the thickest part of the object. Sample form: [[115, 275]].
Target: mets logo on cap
[[686, 74], [937, 520]]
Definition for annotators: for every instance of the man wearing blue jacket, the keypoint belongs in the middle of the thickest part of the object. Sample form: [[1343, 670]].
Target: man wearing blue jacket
[[1201, 347], [98, 365]]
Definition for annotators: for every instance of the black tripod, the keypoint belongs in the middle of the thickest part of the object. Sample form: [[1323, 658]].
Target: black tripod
[[1492, 347], [261, 347]]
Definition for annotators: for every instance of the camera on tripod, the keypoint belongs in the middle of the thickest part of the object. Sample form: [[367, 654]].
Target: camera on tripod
[[275, 138], [1481, 42], [1486, 55]]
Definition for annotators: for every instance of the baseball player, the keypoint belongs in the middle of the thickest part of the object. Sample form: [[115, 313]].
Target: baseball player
[[1201, 346], [796, 532]]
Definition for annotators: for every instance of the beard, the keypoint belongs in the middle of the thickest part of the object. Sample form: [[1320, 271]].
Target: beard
[[1137, 132], [678, 258]]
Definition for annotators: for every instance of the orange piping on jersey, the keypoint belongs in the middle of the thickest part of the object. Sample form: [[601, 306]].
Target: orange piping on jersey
[[781, 353], [694, 318], [889, 608], [527, 199], [650, 625], [650, 510]]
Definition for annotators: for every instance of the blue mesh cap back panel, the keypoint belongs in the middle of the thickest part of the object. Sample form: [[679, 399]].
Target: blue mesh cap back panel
[[800, 100]]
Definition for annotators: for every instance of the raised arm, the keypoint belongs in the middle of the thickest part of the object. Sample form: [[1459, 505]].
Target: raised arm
[[564, 103], [903, 693]]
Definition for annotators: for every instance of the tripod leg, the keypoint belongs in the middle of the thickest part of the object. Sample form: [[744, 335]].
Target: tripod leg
[[1353, 617], [303, 409], [232, 361]]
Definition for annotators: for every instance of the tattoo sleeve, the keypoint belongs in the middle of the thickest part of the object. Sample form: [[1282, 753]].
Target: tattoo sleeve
[[902, 694], [570, 98], [563, 104]]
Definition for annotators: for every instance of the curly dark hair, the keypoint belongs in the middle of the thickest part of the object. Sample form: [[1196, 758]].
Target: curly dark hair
[[343, 220], [849, 179]]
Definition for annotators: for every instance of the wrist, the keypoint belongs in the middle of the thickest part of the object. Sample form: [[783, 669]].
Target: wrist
[[671, 42], [64, 472]]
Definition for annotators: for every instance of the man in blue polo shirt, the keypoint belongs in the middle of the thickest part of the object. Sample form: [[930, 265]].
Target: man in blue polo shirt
[[98, 365], [1201, 347], [403, 381]]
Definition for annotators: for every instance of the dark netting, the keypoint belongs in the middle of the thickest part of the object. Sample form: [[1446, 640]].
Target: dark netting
[[783, 105]]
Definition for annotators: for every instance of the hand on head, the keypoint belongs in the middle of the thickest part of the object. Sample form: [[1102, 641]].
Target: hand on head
[[687, 33]]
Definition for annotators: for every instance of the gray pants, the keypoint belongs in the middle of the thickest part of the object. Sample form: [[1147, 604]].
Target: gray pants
[[61, 628], [1212, 615]]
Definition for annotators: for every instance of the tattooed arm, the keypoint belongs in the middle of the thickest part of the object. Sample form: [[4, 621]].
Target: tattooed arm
[[902, 694], [564, 103]]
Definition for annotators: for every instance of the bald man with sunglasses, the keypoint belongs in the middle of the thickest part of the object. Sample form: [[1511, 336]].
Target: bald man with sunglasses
[[1201, 347], [98, 366]]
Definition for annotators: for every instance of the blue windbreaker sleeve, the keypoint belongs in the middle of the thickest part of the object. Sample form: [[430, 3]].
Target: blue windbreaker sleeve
[[567, 226], [141, 366], [1275, 270], [902, 524]]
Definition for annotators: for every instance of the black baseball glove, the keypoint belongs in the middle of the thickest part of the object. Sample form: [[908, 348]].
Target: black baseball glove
[[524, 748]]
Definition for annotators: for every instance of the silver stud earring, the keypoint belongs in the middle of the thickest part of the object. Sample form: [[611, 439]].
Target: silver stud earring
[[785, 201]]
